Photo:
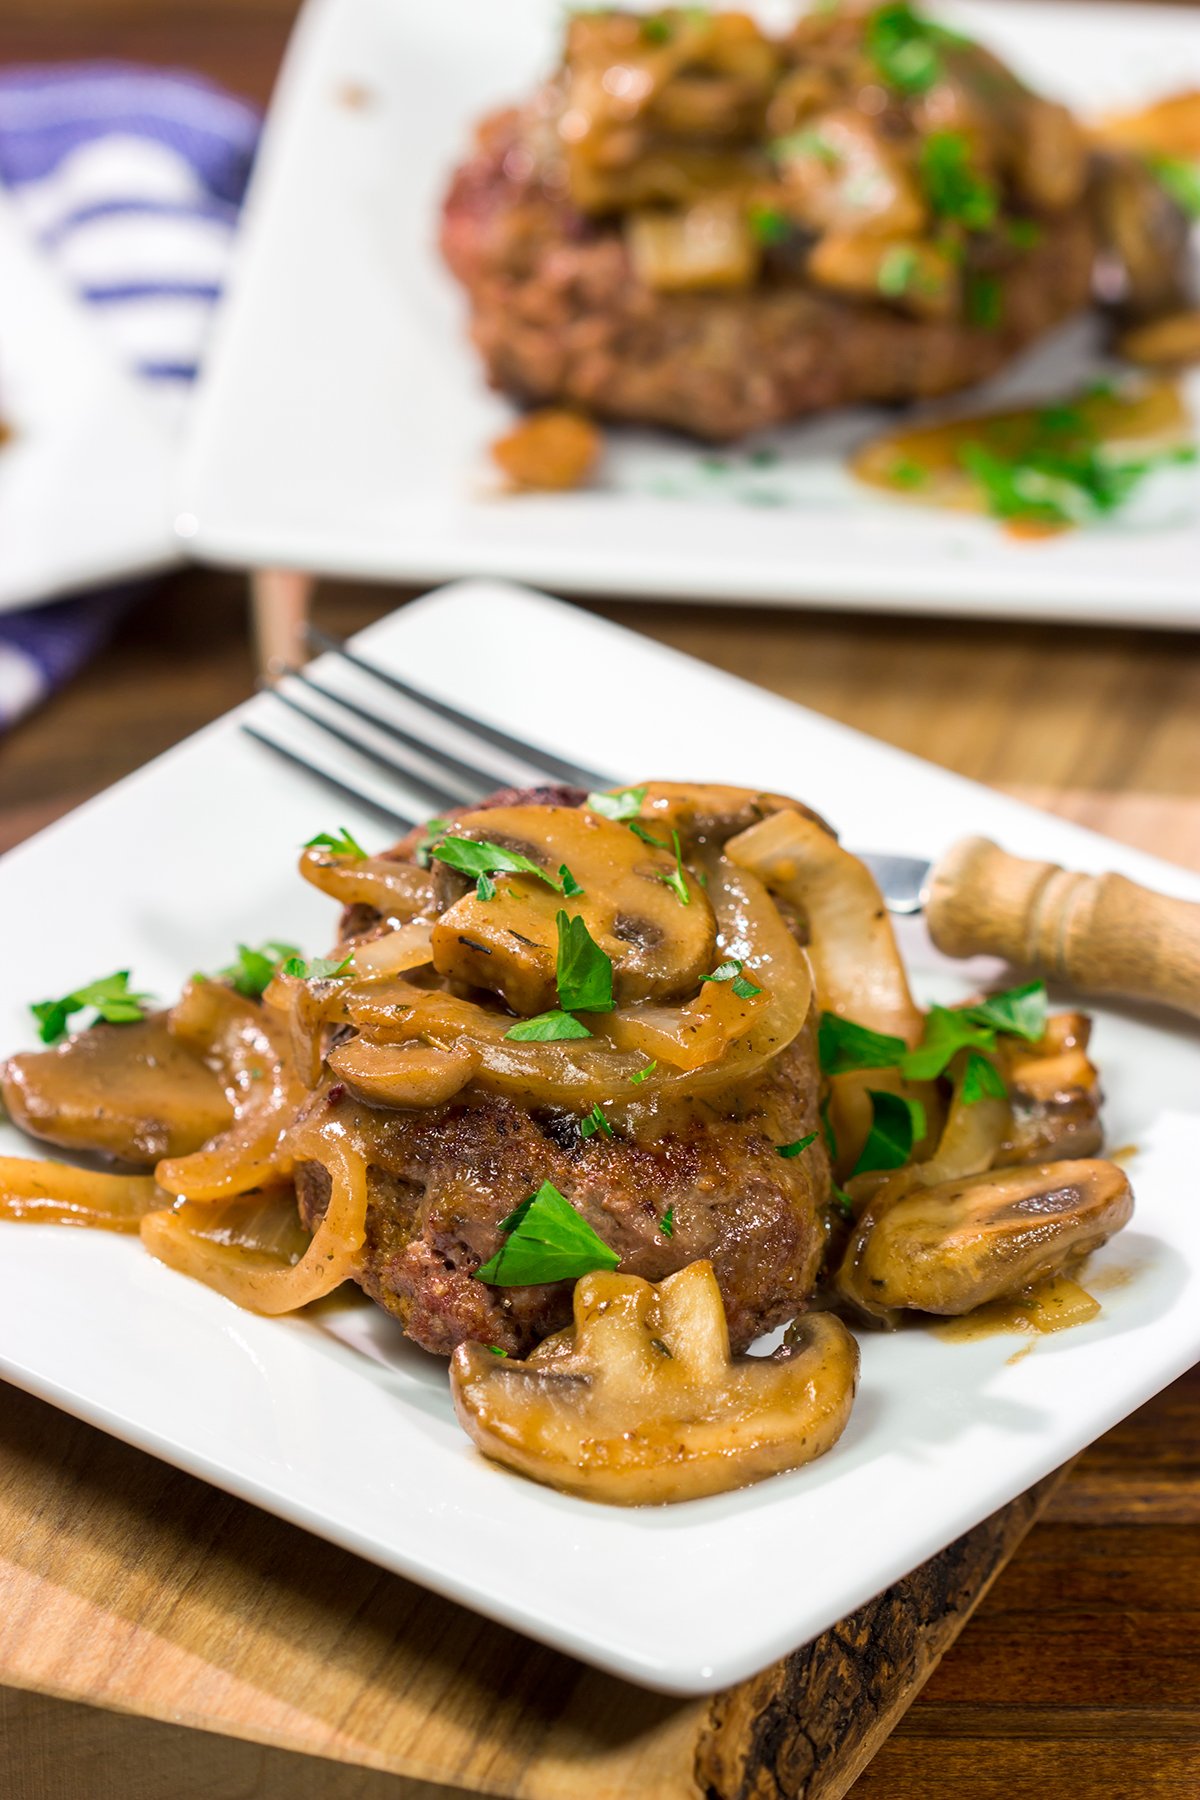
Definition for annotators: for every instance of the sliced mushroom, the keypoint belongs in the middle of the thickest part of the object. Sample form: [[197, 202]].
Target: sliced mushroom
[[707, 814], [1171, 342], [134, 1092], [949, 1248], [1145, 237], [405, 1075], [1055, 1093], [640, 1401], [509, 944]]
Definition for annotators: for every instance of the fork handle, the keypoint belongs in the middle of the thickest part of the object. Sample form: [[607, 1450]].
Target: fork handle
[[1100, 933]]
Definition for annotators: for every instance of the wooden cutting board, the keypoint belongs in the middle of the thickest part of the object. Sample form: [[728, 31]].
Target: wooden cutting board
[[257, 1660]]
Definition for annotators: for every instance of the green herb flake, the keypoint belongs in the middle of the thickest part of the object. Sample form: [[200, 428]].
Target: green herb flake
[[841, 1202], [954, 188], [897, 270], [1023, 234], [1019, 1011], [947, 1031], [768, 226], [623, 804], [842, 1046], [485, 888], [725, 971], [547, 1028], [435, 829], [647, 836], [1181, 179], [897, 1123], [254, 970], [805, 143], [906, 49], [640, 1075], [472, 858], [546, 1240], [981, 1079], [657, 30], [584, 971], [790, 1150], [745, 989], [905, 473], [496, 1350], [570, 886], [594, 1122], [676, 881], [667, 1223], [111, 996], [984, 301], [341, 844], [321, 968]]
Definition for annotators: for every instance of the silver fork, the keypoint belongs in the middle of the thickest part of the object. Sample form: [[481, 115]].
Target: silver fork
[[1101, 934]]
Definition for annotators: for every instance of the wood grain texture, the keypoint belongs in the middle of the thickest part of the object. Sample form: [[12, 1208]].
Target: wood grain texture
[[1098, 933]]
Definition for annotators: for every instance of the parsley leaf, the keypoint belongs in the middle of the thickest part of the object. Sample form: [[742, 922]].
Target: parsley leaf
[[1020, 1011], [472, 858], [980, 1078], [485, 888], [570, 886], [594, 1122], [254, 970], [897, 271], [1181, 179], [954, 188], [667, 1223], [546, 1240], [546, 1028], [625, 804], [640, 1075], [985, 301], [647, 836], [496, 1350], [897, 1123], [745, 989], [585, 972], [435, 829], [790, 1150], [731, 970], [342, 844], [947, 1031], [676, 881], [905, 47], [321, 968], [842, 1045], [111, 997], [768, 226]]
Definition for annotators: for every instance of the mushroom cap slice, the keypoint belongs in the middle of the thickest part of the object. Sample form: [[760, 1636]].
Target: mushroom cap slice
[[952, 1247], [640, 1402], [658, 946]]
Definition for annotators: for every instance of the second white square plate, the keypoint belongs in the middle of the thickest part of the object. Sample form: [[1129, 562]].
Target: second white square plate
[[344, 420], [334, 1420]]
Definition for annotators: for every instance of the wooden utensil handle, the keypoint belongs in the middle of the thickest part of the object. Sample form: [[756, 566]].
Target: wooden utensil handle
[[1100, 933]]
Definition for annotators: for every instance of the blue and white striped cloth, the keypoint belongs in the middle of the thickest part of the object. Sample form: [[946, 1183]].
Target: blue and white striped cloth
[[131, 179]]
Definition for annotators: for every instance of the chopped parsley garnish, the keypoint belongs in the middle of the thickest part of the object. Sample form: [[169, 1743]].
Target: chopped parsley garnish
[[904, 473], [897, 1123], [667, 1223], [594, 1122], [647, 836], [570, 886], [321, 968], [640, 1075], [254, 970], [805, 143], [676, 880], [841, 1201], [626, 803], [435, 829], [341, 843], [1020, 1012], [1060, 473], [731, 970], [110, 996], [897, 271], [472, 858], [496, 1350], [1023, 234], [547, 1028], [768, 226], [790, 1150], [985, 301], [1181, 180], [981, 1078], [954, 188], [842, 1046], [905, 48], [485, 888], [657, 30], [545, 1239], [585, 972]]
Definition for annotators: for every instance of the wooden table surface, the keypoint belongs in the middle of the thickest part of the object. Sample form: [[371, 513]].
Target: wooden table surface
[[126, 1584]]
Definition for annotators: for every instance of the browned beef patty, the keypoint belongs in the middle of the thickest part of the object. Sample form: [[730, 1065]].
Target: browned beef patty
[[442, 1179], [558, 315]]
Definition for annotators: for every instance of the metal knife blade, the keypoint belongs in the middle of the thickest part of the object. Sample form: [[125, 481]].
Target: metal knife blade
[[903, 880]]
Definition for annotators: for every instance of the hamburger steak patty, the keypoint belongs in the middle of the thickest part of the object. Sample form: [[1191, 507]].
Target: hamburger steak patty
[[557, 314], [441, 1179]]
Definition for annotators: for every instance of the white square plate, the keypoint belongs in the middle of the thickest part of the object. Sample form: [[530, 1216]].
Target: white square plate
[[344, 419], [337, 1422], [84, 478]]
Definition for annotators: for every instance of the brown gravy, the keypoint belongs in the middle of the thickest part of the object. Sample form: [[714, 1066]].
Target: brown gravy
[[1052, 1305]]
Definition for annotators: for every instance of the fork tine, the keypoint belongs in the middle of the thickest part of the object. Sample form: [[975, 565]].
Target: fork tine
[[439, 797], [575, 774], [389, 814], [471, 773]]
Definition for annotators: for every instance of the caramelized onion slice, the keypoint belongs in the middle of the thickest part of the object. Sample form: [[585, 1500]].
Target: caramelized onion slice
[[962, 1243], [52, 1193], [856, 964], [409, 947], [252, 1255], [640, 1402]]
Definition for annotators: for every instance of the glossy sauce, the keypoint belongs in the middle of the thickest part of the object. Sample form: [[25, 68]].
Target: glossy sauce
[[1053, 1305]]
